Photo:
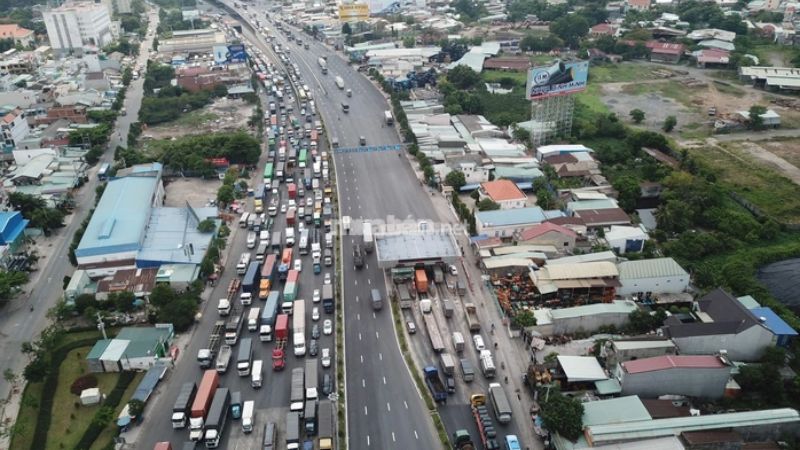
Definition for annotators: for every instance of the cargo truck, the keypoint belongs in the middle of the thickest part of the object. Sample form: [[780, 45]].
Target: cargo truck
[[323, 65], [245, 357], [206, 356], [233, 327], [312, 379], [339, 82], [327, 298], [502, 408], [236, 405], [467, 372], [268, 315], [224, 358], [435, 384], [462, 440], [248, 416], [292, 286], [471, 314], [369, 241], [281, 336], [181, 408], [202, 402], [292, 431], [297, 392], [325, 425], [458, 341], [250, 283], [267, 276], [433, 333], [483, 421], [449, 369], [257, 374], [299, 328], [421, 280], [404, 296], [253, 318], [217, 417], [487, 364], [447, 308], [358, 256]]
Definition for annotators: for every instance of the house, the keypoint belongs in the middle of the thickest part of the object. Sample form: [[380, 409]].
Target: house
[[769, 119], [504, 223], [503, 192], [139, 282], [134, 348], [721, 322], [12, 230], [604, 29], [14, 127], [702, 376], [664, 52], [618, 350], [508, 63], [588, 282], [784, 333], [711, 57], [583, 319], [21, 36], [623, 239], [638, 5], [600, 218], [548, 233], [580, 369], [647, 277]]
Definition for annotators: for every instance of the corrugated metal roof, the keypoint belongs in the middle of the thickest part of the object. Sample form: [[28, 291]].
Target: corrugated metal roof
[[98, 349], [600, 269], [774, 322], [589, 257], [618, 307], [650, 268], [516, 216], [636, 345], [581, 368], [615, 410], [667, 362], [115, 350]]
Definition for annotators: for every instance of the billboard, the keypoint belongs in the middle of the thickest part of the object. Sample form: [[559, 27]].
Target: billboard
[[353, 12], [236, 53], [561, 78]]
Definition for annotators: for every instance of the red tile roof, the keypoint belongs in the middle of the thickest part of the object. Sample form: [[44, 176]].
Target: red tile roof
[[12, 30], [639, 3], [603, 28], [600, 217], [507, 63], [543, 228], [672, 362], [567, 221], [665, 48], [502, 190]]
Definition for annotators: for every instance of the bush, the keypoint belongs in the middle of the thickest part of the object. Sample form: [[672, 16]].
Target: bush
[[83, 382]]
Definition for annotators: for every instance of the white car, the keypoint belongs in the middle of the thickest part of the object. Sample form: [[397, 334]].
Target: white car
[[327, 278], [283, 208], [292, 203], [316, 297], [478, 340], [298, 265], [315, 314], [327, 327], [326, 357], [453, 270]]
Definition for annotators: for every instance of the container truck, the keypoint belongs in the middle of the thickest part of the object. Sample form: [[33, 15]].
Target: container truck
[[224, 358], [327, 298], [433, 332], [245, 357], [292, 285], [449, 370], [253, 318], [202, 401], [312, 379], [299, 328], [438, 274], [435, 384], [217, 417], [268, 315], [292, 431], [339, 82], [421, 280], [233, 327], [358, 256], [467, 372], [483, 421], [281, 336], [462, 440], [502, 408], [471, 314], [447, 308], [207, 355], [267, 276], [181, 408], [257, 374], [458, 341], [325, 425], [250, 283], [404, 296], [369, 242], [297, 393], [310, 417], [248, 416]]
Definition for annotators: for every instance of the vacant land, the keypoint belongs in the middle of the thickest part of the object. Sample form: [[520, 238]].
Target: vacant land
[[788, 149], [222, 115], [195, 191]]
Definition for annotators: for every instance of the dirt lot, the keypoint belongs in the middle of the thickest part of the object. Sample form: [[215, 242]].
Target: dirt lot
[[193, 190], [788, 149], [222, 115]]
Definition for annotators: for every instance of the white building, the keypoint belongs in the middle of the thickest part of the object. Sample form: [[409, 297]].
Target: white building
[[73, 26], [652, 276], [14, 127], [118, 6], [624, 239]]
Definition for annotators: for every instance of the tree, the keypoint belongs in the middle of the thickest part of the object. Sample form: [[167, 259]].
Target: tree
[[206, 226], [629, 191], [755, 113], [162, 295], [180, 313], [409, 42], [641, 321], [637, 115], [463, 77], [669, 123], [524, 319], [456, 179], [488, 204], [122, 301], [135, 407], [522, 135], [346, 29], [10, 283], [225, 195], [564, 415], [571, 28]]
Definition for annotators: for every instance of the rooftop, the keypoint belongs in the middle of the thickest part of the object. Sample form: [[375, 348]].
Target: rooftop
[[643, 344], [773, 321], [614, 410], [516, 216], [597, 269], [650, 268], [544, 228], [665, 362], [502, 190], [603, 217], [172, 236], [581, 368], [615, 307], [415, 246]]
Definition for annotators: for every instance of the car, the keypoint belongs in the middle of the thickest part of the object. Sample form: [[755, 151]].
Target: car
[[312, 347], [326, 357], [283, 208], [362, 140], [453, 270], [316, 296], [315, 331], [292, 203], [412, 328], [327, 327], [298, 265], [309, 202], [478, 340], [327, 385], [327, 278], [315, 314]]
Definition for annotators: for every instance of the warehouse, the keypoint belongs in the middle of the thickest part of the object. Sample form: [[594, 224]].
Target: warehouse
[[134, 348], [649, 277], [590, 282], [583, 319], [702, 376]]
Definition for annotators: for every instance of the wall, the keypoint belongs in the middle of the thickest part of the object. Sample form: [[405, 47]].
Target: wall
[[659, 285], [748, 345], [696, 382]]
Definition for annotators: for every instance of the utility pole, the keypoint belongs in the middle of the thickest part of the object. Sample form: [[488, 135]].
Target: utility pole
[[101, 326]]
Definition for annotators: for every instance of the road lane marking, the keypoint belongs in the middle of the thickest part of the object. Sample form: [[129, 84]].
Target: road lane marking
[[359, 336], [380, 356], [356, 299], [362, 359], [374, 316], [363, 383], [389, 408], [393, 439], [365, 410], [358, 316], [384, 380], [367, 440], [405, 403], [416, 435], [377, 335], [369, 281], [355, 282]]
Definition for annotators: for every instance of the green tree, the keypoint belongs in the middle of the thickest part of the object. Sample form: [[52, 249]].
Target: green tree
[[524, 319], [756, 121], [180, 313], [469, 10], [346, 29], [637, 115], [135, 407], [669, 123], [26, 204], [488, 204], [10, 283], [523, 135], [162, 295], [628, 191], [225, 194], [206, 226], [409, 42], [563, 415], [456, 179], [463, 77], [122, 301], [571, 28]]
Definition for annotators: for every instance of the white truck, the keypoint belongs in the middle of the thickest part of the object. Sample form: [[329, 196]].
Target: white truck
[[248, 416], [346, 224], [224, 358], [224, 307], [339, 82], [253, 319], [299, 327]]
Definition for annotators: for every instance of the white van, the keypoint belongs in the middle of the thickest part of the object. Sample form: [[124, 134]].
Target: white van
[[243, 220], [256, 377], [289, 237], [251, 239], [329, 240], [248, 416], [263, 236]]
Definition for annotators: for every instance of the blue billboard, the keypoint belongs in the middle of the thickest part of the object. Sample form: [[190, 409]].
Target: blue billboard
[[236, 53], [561, 78]]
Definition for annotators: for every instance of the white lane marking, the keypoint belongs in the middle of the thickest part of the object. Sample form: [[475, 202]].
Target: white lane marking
[[362, 359], [365, 410], [359, 336], [384, 380], [367, 266], [356, 299], [363, 383], [374, 316], [358, 316], [380, 356], [355, 282], [368, 440], [393, 439], [369, 281], [377, 335], [389, 408], [416, 435], [405, 403]]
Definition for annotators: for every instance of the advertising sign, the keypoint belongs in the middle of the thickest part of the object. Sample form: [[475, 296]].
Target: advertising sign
[[353, 12], [236, 53], [561, 78]]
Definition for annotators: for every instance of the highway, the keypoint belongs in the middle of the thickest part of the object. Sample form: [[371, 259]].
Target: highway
[[19, 323]]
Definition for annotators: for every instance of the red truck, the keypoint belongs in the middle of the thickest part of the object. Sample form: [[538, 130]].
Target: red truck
[[290, 216], [202, 402], [421, 279], [292, 188], [163, 446], [281, 336]]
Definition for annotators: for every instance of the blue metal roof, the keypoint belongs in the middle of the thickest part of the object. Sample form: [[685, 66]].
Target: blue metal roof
[[774, 321], [11, 226], [517, 216], [149, 382]]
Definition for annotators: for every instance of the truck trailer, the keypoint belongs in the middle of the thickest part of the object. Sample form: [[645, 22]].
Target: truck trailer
[[244, 359], [202, 402], [217, 417], [182, 407]]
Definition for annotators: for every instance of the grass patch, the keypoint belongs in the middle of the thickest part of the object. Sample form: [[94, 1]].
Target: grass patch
[[107, 436], [591, 99], [494, 76], [758, 183], [727, 88], [620, 73], [22, 431], [193, 119]]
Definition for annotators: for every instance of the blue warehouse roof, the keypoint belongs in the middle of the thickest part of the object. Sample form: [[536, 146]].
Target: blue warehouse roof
[[11, 226], [773, 321], [516, 216]]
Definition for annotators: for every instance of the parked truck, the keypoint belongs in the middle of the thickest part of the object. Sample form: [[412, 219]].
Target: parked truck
[[327, 298], [224, 358], [325, 425], [245, 358], [435, 384], [471, 314], [217, 417], [182, 407], [206, 357], [433, 333], [202, 402]]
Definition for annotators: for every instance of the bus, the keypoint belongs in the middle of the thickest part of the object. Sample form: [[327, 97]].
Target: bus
[[512, 442], [502, 408], [301, 161], [301, 94], [268, 169], [102, 174]]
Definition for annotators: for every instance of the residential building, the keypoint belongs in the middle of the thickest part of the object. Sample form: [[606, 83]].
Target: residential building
[[118, 6], [617, 351], [504, 223], [601, 218], [139, 282], [664, 52], [49, 175], [646, 278], [604, 29], [583, 319], [134, 348], [638, 5], [589, 282], [547, 233], [75, 25], [503, 192], [720, 322], [702, 376], [623, 239], [21, 36], [12, 237], [711, 57], [14, 127], [784, 333], [518, 173]]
